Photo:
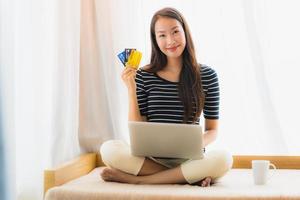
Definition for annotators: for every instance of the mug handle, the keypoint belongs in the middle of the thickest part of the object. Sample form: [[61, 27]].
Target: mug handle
[[274, 168]]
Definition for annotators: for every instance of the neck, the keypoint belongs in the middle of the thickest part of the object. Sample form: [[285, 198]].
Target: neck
[[174, 64]]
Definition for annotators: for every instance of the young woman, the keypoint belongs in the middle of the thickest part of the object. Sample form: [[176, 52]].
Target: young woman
[[173, 88]]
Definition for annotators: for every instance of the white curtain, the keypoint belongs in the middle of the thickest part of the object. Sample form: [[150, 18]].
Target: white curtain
[[251, 44], [7, 111], [100, 112], [61, 86], [46, 40]]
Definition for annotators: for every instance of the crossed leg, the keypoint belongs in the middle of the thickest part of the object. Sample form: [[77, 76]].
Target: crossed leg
[[151, 173]]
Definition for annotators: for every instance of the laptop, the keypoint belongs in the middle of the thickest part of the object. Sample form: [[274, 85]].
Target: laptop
[[165, 140]]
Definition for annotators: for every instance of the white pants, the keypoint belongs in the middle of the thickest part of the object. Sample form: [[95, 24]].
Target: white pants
[[116, 154]]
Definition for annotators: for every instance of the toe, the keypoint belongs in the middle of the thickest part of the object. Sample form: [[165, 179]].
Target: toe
[[208, 181], [205, 182], [105, 174]]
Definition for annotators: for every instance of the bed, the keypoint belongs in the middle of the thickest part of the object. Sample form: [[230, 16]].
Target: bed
[[79, 179]]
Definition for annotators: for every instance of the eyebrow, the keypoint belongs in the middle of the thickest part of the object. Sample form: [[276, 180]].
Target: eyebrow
[[171, 29]]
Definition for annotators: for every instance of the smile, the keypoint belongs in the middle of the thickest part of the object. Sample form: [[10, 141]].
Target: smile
[[173, 48]]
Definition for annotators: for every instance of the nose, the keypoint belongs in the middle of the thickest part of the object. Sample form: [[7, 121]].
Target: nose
[[170, 40]]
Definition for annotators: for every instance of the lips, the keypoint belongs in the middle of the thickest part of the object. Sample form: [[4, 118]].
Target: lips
[[172, 49]]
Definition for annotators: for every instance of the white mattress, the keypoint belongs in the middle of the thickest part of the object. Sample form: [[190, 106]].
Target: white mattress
[[237, 184]]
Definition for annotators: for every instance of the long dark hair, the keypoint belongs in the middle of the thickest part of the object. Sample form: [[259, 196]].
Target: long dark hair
[[190, 86]]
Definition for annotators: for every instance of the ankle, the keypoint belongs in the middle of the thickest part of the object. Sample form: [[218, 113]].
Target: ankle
[[138, 180], [134, 180]]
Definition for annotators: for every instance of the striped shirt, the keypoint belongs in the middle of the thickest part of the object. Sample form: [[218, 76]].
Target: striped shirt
[[158, 98]]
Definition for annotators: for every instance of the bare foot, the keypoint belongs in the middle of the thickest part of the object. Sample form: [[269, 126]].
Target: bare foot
[[206, 182], [115, 175]]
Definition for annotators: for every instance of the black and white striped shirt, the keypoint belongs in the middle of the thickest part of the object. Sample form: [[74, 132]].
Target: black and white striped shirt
[[158, 98]]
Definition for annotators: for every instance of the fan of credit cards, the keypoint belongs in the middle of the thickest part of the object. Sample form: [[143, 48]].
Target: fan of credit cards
[[130, 57]]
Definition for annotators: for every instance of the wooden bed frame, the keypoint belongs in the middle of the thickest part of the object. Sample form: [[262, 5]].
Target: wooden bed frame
[[83, 164]]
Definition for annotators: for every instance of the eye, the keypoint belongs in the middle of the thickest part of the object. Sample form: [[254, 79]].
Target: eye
[[176, 31], [162, 35]]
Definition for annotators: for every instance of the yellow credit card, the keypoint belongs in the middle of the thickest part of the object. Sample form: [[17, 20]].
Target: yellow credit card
[[134, 59]]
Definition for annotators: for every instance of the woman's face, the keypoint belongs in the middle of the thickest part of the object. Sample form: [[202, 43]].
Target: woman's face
[[170, 37]]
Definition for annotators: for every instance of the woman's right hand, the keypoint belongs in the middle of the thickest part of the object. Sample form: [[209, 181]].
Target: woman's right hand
[[128, 77]]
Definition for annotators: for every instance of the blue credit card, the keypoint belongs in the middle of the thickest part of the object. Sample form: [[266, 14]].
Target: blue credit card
[[122, 57], [127, 53]]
